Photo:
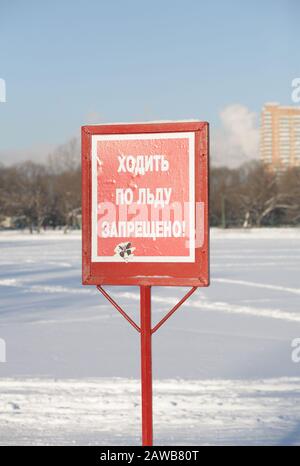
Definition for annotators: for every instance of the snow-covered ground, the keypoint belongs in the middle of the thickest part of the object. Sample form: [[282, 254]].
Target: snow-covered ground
[[222, 364]]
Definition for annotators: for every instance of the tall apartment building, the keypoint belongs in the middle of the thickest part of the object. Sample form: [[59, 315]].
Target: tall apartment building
[[280, 136]]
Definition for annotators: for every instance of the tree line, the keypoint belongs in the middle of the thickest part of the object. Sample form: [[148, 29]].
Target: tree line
[[253, 196], [36, 196]]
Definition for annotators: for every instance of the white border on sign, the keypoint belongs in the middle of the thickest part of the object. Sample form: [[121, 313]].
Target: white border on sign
[[121, 137]]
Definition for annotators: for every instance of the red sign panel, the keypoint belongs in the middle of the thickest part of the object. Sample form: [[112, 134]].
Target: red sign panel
[[145, 212]]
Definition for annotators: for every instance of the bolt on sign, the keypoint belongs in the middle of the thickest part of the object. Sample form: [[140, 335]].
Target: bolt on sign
[[145, 204], [145, 219]]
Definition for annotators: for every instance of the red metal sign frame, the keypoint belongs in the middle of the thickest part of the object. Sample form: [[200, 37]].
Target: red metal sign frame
[[184, 274], [164, 273]]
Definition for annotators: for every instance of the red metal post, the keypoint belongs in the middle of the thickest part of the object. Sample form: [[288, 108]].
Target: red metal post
[[146, 351], [146, 365]]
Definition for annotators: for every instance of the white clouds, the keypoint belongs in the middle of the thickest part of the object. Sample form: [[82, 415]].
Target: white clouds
[[237, 141]]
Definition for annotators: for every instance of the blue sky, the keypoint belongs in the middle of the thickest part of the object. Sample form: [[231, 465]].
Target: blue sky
[[67, 63]]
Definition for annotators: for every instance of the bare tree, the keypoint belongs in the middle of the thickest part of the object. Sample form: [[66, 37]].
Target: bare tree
[[289, 185], [27, 193], [66, 158], [260, 195]]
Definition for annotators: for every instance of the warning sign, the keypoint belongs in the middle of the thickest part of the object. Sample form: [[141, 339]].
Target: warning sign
[[140, 199], [143, 197]]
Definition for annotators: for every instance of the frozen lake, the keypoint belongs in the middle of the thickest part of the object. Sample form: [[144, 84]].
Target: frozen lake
[[222, 364]]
